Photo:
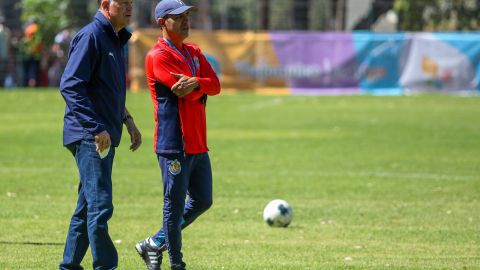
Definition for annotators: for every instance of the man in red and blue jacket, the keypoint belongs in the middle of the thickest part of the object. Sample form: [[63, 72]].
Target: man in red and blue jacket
[[180, 79], [94, 89]]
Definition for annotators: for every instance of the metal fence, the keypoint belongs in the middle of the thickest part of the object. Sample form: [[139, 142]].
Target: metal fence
[[251, 15]]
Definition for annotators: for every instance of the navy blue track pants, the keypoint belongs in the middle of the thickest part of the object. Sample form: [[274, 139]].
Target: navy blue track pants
[[183, 175]]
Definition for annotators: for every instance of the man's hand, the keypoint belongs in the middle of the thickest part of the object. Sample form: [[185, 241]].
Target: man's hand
[[185, 85], [102, 141], [135, 136]]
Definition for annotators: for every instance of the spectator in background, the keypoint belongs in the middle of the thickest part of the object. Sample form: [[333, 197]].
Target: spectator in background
[[32, 54], [58, 57], [4, 41], [14, 60]]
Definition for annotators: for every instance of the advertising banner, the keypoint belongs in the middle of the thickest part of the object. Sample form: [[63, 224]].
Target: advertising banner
[[330, 63], [446, 62], [316, 63], [378, 62]]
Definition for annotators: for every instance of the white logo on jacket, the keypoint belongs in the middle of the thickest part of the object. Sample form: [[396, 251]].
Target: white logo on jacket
[[111, 54]]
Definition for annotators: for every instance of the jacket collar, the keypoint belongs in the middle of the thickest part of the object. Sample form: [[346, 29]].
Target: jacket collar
[[122, 36]]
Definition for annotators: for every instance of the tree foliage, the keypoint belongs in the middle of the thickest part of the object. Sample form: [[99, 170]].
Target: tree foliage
[[417, 15], [426, 15], [50, 16], [411, 13]]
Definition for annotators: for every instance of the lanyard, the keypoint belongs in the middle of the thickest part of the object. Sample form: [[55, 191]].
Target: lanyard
[[189, 61]]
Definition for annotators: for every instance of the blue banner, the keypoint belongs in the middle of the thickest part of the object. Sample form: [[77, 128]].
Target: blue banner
[[400, 63]]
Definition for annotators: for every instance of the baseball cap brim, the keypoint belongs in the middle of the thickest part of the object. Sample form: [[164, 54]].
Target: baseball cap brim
[[183, 9]]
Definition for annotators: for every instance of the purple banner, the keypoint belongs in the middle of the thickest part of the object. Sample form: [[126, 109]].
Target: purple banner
[[317, 63]]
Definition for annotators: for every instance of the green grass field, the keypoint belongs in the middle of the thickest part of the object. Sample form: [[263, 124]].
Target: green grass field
[[375, 183]]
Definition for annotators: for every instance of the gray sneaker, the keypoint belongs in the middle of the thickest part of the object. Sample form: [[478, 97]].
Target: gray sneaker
[[152, 256]]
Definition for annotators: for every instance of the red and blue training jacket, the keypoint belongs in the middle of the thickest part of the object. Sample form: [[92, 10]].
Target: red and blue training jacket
[[180, 123]]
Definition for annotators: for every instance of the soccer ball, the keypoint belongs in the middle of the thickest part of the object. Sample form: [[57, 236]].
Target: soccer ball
[[278, 213]]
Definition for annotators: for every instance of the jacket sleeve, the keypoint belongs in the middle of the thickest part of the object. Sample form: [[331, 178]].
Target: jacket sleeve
[[162, 66], [81, 64], [208, 80]]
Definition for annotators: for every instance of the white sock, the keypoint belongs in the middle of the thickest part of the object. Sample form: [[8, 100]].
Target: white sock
[[151, 242]]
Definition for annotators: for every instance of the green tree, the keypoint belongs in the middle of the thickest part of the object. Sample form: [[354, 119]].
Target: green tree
[[411, 13], [80, 13], [421, 15], [458, 14], [50, 16], [416, 15]]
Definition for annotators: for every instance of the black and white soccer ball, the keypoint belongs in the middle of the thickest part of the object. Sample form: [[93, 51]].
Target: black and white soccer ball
[[278, 213]]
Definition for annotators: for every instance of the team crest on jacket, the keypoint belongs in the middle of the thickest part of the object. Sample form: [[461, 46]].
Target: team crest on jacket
[[175, 167]]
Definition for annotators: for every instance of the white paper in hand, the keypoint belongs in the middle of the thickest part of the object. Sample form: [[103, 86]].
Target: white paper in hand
[[104, 153]]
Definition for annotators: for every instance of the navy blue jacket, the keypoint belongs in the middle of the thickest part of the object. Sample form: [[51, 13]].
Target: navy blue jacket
[[93, 83]]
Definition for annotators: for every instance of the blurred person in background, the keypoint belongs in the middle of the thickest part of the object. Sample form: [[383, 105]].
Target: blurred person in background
[[57, 58], [32, 54], [93, 86], [4, 48], [180, 78]]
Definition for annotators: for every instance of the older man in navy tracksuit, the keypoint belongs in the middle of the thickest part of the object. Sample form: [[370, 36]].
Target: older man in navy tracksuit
[[94, 88]]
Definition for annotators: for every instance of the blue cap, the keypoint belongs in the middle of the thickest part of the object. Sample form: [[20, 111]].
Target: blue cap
[[166, 7]]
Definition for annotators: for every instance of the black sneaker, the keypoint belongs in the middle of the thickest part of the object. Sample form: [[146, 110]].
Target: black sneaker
[[152, 256], [178, 266]]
